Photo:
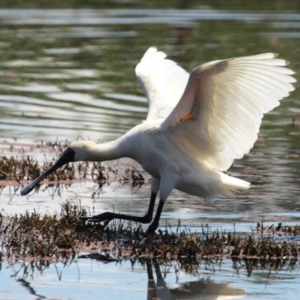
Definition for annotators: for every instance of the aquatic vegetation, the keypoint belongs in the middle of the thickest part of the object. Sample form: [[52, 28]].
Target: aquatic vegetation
[[14, 168], [64, 237]]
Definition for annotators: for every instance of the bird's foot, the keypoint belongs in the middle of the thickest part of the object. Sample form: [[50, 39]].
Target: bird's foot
[[149, 232], [105, 217]]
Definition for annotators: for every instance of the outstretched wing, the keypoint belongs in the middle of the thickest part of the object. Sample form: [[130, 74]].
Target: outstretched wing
[[220, 112], [163, 82]]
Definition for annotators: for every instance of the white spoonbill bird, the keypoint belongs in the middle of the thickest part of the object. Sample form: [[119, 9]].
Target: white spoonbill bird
[[196, 126]]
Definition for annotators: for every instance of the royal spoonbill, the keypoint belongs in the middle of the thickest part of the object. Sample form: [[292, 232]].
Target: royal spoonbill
[[197, 124]]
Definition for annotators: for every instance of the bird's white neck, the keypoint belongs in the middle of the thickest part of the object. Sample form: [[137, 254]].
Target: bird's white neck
[[89, 151], [108, 151], [132, 144]]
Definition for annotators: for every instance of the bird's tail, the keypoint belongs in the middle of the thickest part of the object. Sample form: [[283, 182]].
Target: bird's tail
[[234, 184]]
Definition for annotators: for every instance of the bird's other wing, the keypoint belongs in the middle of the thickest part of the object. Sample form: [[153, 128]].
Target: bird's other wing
[[220, 112], [163, 82]]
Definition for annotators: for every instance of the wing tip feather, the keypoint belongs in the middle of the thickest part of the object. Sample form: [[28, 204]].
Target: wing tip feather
[[153, 52]]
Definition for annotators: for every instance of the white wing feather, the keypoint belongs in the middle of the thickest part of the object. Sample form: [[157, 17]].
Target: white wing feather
[[219, 114], [163, 82]]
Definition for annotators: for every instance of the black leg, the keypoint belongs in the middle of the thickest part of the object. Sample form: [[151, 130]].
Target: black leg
[[154, 225], [108, 216]]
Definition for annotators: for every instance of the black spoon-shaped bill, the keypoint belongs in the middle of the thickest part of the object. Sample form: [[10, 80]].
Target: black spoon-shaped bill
[[66, 157]]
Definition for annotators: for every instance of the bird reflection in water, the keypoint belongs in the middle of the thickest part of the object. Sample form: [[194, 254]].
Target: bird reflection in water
[[203, 288]]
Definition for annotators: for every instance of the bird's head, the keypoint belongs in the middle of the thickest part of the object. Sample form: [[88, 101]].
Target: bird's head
[[77, 151], [81, 150]]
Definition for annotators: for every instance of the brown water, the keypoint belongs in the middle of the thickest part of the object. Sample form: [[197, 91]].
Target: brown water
[[69, 73]]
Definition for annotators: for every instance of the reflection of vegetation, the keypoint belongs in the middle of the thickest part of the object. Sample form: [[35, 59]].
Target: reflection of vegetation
[[250, 265], [30, 289]]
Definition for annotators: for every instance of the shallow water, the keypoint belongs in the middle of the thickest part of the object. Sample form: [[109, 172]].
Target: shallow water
[[69, 73], [127, 281]]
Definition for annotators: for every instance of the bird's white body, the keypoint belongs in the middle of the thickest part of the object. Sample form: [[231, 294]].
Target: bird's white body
[[162, 156], [196, 126]]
